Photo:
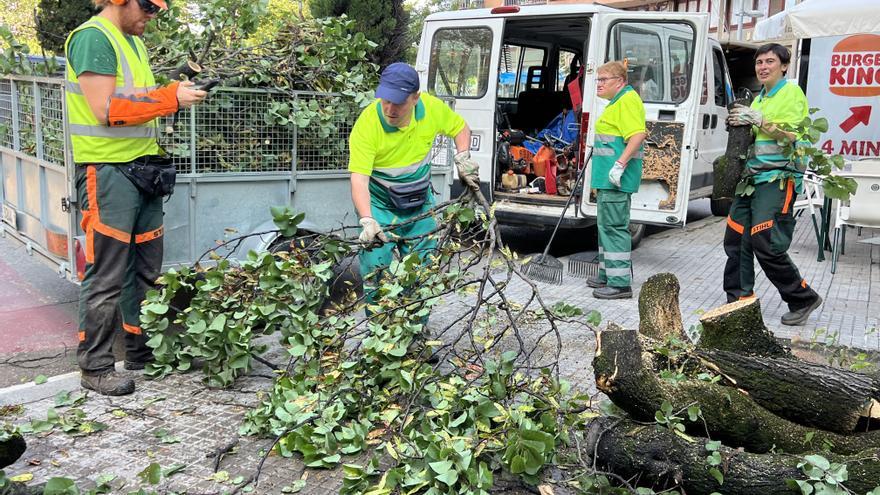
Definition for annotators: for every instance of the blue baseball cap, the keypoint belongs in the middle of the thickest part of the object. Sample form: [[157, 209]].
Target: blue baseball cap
[[397, 82]]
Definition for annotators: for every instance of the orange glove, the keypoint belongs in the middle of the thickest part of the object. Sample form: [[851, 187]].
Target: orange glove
[[144, 107]]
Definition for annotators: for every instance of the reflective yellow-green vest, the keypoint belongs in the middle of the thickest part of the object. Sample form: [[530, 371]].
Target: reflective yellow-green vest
[[92, 141]]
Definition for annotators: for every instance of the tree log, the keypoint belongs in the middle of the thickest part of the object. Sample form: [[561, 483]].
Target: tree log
[[11, 449], [729, 169], [659, 459], [739, 327], [729, 415], [809, 394], [659, 313]]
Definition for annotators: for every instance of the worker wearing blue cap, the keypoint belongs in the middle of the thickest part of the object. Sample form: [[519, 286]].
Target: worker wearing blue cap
[[390, 152]]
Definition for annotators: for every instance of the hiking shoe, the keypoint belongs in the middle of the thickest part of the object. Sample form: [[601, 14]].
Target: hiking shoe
[[596, 282], [799, 316], [109, 383], [135, 365], [613, 293]]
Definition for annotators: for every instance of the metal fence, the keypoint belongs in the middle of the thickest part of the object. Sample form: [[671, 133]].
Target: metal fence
[[235, 130]]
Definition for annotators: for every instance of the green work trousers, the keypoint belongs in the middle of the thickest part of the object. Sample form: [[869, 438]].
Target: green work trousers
[[615, 243], [409, 238], [123, 229], [761, 225]]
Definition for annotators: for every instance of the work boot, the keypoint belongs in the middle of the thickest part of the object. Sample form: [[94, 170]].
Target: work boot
[[596, 282], [613, 293], [135, 365], [108, 383], [799, 316]]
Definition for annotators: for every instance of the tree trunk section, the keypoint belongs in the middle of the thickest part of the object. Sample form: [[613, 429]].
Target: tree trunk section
[[655, 457], [730, 416], [659, 313], [739, 327], [729, 169], [809, 394]]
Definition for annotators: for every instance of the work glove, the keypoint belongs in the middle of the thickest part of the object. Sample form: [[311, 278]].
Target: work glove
[[743, 115], [615, 174], [371, 230], [468, 168]]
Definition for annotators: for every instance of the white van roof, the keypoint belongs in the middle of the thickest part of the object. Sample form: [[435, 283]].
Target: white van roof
[[524, 11]]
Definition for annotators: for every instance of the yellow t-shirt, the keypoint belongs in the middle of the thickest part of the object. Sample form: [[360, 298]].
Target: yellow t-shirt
[[375, 144]]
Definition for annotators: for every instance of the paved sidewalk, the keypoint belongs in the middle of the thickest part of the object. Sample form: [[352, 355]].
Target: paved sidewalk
[[205, 419]]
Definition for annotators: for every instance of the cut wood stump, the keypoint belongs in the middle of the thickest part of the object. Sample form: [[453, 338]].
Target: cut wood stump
[[729, 169], [739, 327], [659, 313]]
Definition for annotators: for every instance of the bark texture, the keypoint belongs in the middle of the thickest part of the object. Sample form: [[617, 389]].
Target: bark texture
[[729, 169], [659, 313], [657, 458], [739, 327], [809, 394]]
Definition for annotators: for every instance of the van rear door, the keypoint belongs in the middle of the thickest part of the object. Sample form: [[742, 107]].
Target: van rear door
[[458, 58], [665, 54]]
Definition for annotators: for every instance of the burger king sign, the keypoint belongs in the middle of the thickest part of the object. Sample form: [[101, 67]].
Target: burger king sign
[[844, 83]]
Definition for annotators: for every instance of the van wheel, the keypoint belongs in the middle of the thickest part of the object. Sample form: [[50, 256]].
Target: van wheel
[[637, 233], [720, 207]]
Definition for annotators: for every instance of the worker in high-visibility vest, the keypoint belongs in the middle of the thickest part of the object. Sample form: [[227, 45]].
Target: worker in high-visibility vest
[[616, 174], [761, 222], [112, 106], [391, 147]]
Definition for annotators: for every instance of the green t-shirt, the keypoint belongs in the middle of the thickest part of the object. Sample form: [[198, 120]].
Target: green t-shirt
[[90, 50]]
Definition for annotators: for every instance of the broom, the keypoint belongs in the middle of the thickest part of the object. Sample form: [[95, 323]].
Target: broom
[[544, 267]]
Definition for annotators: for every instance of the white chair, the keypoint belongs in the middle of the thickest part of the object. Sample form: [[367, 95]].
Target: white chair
[[811, 199], [862, 209]]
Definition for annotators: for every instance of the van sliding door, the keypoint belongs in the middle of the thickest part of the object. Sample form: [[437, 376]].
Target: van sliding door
[[662, 50]]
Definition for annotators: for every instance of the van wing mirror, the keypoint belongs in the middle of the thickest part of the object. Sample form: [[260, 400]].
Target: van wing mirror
[[744, 93]]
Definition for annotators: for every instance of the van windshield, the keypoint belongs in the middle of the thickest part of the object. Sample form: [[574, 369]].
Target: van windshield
[[660, 57], [460, 62]]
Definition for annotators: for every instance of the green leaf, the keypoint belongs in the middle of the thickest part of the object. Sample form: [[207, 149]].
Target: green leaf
[[60, 486], [818, 461], [40, 379], [152, 474], [717, 475]]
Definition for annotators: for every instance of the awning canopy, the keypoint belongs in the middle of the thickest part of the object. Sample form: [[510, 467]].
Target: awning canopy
[[818, 18]]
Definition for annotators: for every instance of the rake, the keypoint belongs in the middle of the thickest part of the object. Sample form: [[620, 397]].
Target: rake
[[544, 267], [584, 265]]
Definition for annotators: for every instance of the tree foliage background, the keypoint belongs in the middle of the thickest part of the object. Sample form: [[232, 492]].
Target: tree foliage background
[[383, 22], [57, 18]]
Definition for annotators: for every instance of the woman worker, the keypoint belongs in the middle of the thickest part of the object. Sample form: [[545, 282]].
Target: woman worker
[[762, 223], [616, 175]]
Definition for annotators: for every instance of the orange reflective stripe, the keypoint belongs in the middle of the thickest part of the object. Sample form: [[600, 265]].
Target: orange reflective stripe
[[804, 283], [762, 226], [750, 296], [789, 191], [149, 236], [92, 189], [735, 226], [82, 336], [131, 329]]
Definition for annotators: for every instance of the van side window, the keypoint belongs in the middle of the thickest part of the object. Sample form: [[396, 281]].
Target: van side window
[[459, 64], [720, 87], [514, 66], [567, 69], [660, 56], [680, 51]]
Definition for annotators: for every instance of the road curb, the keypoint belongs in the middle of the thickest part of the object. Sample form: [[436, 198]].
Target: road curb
[[26, 393]]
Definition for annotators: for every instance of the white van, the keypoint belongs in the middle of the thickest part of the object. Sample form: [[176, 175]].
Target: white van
[[508, 67]]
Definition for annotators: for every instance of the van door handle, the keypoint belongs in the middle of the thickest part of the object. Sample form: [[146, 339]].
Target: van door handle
[[715, 121], [705, 121]]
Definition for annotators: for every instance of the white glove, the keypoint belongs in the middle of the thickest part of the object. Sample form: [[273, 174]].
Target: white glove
[[615, 174], [743, 115], [371, 230], [468, 168]]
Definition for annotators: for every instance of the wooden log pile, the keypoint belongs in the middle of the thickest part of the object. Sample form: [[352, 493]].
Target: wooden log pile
[[768, 408]]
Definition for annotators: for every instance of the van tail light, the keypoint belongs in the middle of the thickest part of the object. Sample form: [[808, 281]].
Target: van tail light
[[585, 127], [80, 257], [506, 9]]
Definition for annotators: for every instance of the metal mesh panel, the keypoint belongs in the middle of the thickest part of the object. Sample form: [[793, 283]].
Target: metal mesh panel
[[27, 134], [5, 113], [52, 122], [233, 133], [323, 125]]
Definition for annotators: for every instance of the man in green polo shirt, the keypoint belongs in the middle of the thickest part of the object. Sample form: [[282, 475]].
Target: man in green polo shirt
[[390, 163], [112, 105]]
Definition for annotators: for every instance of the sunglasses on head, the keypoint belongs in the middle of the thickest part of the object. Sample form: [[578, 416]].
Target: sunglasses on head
[[148, 7]]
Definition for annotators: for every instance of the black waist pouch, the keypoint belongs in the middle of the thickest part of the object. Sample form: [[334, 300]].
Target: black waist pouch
[[408, 196], [152, 175]]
